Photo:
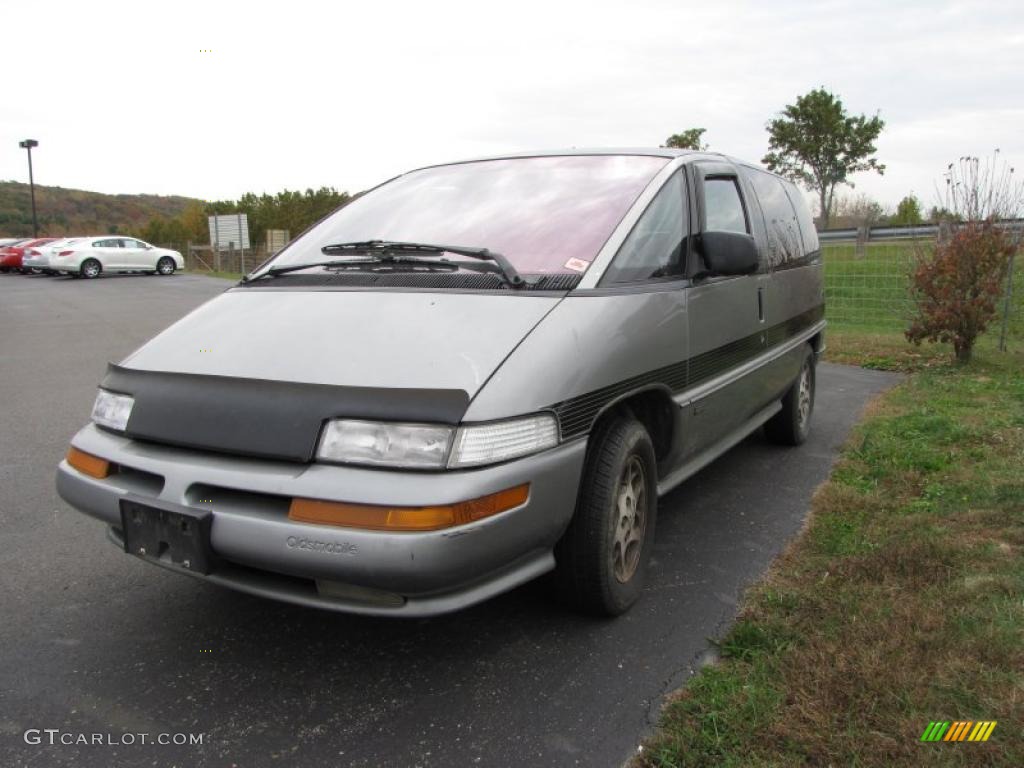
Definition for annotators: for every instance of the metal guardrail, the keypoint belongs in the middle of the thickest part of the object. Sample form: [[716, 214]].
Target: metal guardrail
[[852, 234]]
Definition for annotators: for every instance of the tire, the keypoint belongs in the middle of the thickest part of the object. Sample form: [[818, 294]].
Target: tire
[[90, 269], [602, 557], [792, 424], [165, 266]]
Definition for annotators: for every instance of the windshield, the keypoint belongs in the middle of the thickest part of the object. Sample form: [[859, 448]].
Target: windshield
[[544, 214]]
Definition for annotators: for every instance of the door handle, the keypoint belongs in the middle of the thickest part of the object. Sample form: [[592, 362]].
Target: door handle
[[760, 303]]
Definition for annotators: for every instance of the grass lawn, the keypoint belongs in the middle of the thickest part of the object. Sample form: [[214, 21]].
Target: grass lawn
[[900, 603]]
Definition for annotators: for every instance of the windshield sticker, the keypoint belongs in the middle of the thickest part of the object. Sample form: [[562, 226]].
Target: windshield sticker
[[577, 265]]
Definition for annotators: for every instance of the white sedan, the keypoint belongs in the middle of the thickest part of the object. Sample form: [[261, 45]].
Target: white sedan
[[38, 258], [90, 256]]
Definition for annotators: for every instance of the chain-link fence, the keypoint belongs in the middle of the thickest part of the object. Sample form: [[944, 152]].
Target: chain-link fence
[[202, 258], [867, 288]]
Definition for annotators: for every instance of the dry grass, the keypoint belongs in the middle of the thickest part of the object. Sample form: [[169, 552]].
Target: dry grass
[[900, 603]]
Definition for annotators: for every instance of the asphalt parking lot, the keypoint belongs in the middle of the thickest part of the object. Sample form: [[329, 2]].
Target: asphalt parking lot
[[94, 641]]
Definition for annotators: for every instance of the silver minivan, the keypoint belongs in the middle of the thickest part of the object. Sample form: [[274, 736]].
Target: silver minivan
[[469, 376]]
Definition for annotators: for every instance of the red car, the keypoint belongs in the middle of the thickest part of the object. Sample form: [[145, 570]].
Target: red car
[[10, 255]]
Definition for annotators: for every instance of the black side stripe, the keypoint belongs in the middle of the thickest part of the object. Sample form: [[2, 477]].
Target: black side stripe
[[576, 415]]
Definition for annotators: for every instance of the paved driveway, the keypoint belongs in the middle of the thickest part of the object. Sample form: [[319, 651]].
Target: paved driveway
[[94, 641]]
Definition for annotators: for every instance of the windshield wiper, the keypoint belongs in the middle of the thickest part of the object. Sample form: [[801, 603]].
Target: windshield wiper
[[427, 265], [390, 248]]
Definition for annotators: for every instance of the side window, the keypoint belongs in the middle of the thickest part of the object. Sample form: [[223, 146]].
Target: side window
[[129, 243], [784, 242], [723, 208], [656, 245], [803, 218]]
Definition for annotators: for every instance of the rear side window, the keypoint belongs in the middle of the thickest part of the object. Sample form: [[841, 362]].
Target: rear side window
[[804, 218], [723, 208], [107, 244], [784, 242], [655, 246]]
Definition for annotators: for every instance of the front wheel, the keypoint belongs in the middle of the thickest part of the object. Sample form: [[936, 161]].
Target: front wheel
[[165, 266], [792, 424], [602, 558], [90, 268]]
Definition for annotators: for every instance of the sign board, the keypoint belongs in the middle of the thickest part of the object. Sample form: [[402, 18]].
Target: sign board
[[277, 239], [229, 231]]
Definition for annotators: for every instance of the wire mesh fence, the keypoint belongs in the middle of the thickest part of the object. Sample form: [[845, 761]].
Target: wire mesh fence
[[867, 288]]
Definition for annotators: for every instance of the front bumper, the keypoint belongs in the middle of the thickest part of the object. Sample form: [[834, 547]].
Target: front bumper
[[362, 571]]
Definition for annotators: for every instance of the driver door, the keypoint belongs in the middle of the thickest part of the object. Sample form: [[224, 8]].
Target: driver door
[[727, 317]]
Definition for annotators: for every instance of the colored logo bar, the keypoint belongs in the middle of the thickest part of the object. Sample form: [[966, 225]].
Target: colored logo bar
[[959, 730]]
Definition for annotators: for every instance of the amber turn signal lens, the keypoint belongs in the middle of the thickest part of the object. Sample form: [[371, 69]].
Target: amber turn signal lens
[[383, 518], [88, 464]]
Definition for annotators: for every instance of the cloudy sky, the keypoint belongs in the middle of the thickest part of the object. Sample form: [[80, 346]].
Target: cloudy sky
[[215, 99]]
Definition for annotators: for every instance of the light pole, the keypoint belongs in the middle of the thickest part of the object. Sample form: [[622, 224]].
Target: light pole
[[27, 145]]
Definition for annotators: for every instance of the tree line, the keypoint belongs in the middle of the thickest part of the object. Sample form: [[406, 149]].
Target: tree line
[[291, 210]]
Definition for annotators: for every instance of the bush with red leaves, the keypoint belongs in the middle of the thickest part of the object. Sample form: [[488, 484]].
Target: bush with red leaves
[[956, 288]]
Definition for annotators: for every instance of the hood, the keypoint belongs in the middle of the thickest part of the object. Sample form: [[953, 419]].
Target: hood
[[348, 338], [258, 371]]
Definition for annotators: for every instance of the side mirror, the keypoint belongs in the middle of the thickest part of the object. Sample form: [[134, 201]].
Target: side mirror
[[729, 253]]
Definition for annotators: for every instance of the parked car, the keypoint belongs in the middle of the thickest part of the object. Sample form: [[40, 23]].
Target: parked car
[[89, 257], [3, 252], [10, 256], [382, 422], [37, 259], [9, 241]]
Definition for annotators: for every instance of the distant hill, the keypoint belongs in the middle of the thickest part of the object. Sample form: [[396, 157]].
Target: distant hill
[[75, 211]]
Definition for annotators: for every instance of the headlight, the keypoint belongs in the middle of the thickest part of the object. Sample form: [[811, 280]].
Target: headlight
[[387, 445], [478, 444], [112, 410]]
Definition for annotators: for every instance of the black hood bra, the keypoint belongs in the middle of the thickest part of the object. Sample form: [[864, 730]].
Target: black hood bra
[[268, 419]]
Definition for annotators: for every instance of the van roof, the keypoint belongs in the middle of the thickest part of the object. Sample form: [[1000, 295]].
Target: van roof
[[666, 152]]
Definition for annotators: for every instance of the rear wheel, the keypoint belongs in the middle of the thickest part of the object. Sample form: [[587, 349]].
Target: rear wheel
[[90, 268], [792, 424], [602, 558], [165, 266]]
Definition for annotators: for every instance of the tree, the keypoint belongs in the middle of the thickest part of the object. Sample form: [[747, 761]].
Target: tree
[[859, 210], [815, 142], [908, 212], [688, 139], [956, 286], [938, 214]]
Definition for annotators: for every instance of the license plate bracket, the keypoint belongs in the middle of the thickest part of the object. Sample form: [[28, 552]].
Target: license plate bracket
[[168, 533]]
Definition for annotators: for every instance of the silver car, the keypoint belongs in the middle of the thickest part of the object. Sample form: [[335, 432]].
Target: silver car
[[469, 376]]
